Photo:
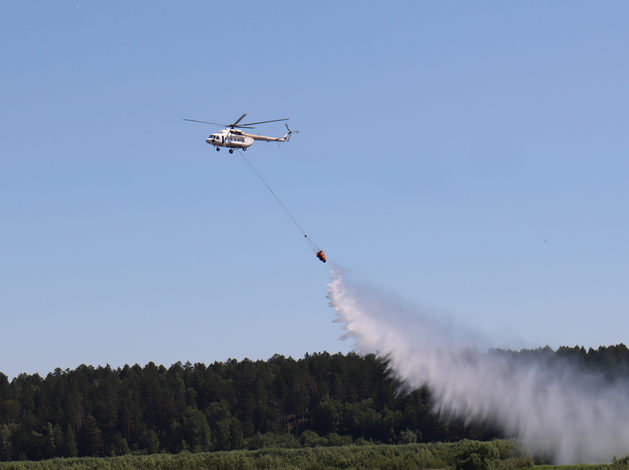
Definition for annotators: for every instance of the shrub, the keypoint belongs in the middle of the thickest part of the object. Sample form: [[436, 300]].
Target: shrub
[[475, 455]]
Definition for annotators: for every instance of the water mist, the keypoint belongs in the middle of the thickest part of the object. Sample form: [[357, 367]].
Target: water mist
[[580, 417]]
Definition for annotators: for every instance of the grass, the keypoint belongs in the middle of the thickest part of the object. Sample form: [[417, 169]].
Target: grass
[[464, 455]]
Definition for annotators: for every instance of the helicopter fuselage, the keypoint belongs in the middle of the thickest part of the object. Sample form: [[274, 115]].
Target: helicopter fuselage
[[230, 139], [236, 139]]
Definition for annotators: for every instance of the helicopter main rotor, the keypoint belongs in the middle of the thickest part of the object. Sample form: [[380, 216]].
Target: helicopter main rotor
[[235, 124]]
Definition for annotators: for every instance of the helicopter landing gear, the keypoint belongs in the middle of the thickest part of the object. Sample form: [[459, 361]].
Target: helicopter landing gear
[[218, 149], [231, 150]]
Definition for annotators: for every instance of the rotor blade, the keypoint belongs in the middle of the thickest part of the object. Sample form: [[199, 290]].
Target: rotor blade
[[244, 127], [239, 119], [205, 122], [262, 122]]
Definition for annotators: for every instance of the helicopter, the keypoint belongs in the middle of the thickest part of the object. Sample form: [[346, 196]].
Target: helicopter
[[233, 138]]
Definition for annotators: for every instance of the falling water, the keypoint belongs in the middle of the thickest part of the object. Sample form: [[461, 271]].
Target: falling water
[[579, 416]]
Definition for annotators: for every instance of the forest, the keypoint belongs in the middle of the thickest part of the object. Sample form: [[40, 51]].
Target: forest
[[320, 400]]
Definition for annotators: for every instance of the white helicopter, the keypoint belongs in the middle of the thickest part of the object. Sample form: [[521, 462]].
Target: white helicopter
[[233, 138]]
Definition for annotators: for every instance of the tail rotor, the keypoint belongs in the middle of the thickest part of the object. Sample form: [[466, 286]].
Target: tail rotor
[[289, 132]]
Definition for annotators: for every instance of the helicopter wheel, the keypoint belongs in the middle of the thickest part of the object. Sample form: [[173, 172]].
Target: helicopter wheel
[[218, 149], [231, 150]]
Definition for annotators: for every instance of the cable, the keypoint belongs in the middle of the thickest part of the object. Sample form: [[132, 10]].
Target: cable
[[278, 199], [315, 248]]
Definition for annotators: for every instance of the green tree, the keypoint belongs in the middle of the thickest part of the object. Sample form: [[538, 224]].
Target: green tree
[[195, 431], [149, 441], [68, 447], [6, 444], [119, 445], [52, 441], [92, 442], [326, 417], [407, 437]]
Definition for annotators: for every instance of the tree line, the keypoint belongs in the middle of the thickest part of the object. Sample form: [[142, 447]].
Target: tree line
[[321, 399]]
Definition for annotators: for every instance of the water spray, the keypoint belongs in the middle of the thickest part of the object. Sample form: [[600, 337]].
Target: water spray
[[580, 417]]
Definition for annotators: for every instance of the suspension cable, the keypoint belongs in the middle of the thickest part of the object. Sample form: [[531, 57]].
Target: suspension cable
[[278, 199]]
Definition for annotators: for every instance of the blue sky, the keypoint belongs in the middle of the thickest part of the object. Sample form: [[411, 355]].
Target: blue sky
[[471, 158]]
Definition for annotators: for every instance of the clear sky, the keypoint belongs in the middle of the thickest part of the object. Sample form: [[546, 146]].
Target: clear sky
[[469, 156]]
